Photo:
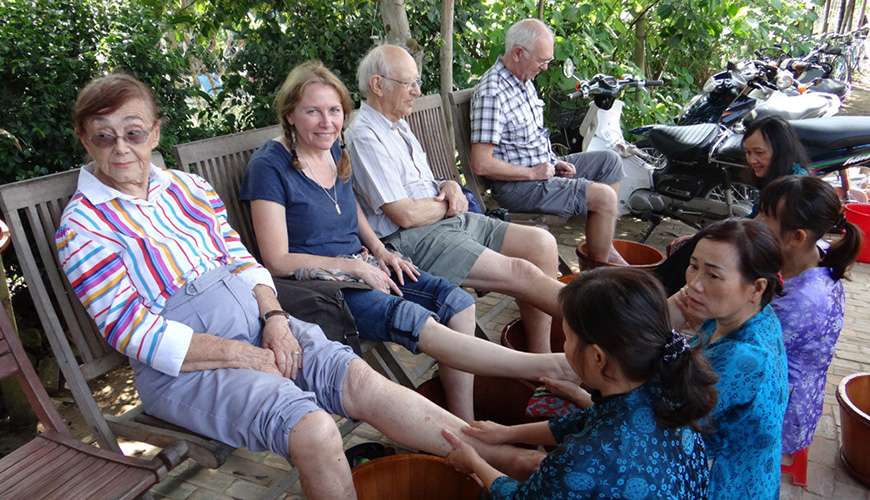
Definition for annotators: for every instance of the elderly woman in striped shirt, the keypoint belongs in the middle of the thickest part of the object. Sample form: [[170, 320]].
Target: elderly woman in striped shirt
[[169, 284]]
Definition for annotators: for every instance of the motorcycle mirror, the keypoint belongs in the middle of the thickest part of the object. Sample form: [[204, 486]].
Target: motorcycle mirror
[[568, 68], [731, 66]]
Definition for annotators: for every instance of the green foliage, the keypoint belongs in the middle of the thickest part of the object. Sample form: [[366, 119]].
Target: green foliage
[[50, 48]]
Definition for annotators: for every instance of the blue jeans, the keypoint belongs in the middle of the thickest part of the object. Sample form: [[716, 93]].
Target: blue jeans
[[382, 317]]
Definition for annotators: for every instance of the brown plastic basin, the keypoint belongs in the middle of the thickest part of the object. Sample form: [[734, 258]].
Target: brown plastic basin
[[853, 396], [411, 476], [501, 400], [639, 255], [514, 336]]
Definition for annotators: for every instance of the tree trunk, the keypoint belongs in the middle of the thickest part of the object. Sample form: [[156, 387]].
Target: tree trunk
[[447, 66], [640, 43], [841, 17], [861, 13], [541, 5], [827, 16], [398, 30]]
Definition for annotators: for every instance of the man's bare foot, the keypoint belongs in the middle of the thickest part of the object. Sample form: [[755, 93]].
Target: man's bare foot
[[616, 258]]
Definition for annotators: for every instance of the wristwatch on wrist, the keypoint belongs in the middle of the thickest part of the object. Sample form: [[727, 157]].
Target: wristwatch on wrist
[[275, 312]]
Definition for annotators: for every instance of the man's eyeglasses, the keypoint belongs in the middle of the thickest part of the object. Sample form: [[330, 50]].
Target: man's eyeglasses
[[541, 62], [408, 85], [135, 136]]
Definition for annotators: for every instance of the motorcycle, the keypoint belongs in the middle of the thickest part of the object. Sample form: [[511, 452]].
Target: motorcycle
[[653, 187], [752, 89], [697, 173]]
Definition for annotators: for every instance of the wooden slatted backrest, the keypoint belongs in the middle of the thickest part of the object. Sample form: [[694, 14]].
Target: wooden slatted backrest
[[32, 210], [222, 162], [460, 102], [428, 125], [14, 362]]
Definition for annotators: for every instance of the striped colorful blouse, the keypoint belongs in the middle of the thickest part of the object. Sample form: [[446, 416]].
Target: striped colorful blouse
[[126, 256]]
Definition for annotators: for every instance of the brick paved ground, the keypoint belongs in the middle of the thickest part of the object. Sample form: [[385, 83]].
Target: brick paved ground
[[259, 475]]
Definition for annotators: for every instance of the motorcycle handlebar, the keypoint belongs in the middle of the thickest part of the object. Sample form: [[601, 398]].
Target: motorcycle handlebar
[[654, 83]]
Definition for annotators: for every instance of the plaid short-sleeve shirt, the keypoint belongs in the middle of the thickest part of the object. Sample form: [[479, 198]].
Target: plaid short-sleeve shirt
[[508, 113]]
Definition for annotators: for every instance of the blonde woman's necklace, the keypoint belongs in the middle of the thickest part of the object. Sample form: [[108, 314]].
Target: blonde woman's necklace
[[332, 197]]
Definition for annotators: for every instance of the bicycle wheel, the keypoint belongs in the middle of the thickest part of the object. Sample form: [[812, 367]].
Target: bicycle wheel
[[841, 70]]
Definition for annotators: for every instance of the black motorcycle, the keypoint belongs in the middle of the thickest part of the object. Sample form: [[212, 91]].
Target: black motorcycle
[[701, 174]]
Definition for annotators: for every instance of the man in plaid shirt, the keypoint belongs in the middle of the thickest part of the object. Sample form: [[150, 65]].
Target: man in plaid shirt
[[511, 147]]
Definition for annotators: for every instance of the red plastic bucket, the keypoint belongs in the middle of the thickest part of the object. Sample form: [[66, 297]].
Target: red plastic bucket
[[859, 214]]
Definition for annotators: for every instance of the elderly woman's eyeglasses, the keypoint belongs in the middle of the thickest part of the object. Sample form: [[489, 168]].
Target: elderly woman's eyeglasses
[[408, 85], [134, 136]]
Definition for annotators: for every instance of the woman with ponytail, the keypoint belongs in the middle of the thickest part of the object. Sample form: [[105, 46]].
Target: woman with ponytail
[[732, 277], [800, 210], [651, 392]]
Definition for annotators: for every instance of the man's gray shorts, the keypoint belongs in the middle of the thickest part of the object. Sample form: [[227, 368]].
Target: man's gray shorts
[[560, 195], [242, 407], [450, 247]]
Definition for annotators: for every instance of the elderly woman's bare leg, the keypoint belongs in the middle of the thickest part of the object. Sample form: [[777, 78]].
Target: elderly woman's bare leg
[[317, 452], [413, 421]]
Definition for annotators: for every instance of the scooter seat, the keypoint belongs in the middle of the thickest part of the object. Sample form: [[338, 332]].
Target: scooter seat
[[797, 107], [684, 143], [833, 132], [830, 86]]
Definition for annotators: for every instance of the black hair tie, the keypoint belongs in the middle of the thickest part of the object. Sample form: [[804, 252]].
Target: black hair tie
[[675, 347]]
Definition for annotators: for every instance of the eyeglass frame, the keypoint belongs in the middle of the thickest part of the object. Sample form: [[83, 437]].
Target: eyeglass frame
[[540, 63], [114, 141], [408, 85]]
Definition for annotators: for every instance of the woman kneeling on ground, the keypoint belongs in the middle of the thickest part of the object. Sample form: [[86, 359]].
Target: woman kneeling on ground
[[800, 211], [151, 256], [731, 279], [640, 437], [306, 219]]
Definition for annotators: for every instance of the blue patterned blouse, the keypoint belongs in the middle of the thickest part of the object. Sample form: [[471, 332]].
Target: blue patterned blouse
[[616, 449], [746, 441]]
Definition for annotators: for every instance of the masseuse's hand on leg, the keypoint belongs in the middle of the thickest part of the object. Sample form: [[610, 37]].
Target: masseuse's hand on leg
[[278, 338]]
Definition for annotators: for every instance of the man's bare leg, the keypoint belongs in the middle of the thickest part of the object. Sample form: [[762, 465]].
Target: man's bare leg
[[524, 269], [601, 223]]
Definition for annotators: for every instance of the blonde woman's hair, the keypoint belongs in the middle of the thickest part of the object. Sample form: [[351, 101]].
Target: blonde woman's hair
[[290, 94]]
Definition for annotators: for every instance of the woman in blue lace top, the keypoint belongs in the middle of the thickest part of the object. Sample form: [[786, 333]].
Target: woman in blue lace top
[[639, 439], [732, 277]]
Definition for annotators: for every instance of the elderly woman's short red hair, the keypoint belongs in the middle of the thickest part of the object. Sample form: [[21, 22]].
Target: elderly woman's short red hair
[[106, 94]]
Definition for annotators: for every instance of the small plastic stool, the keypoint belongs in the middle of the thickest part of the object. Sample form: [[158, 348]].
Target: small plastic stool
[[798, 467]]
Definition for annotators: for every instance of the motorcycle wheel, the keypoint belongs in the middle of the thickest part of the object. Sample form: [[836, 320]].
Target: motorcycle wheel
[[743, 195], [653, 156]]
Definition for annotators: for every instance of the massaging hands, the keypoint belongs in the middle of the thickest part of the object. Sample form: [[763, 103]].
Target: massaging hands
[[278, 338], [462, 456], [452, 193], [568, 390]]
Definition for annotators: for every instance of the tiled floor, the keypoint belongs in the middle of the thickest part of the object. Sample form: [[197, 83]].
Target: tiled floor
[[261, 475]]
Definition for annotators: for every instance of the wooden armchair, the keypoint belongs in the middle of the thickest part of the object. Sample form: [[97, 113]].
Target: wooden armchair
[[54, 465]]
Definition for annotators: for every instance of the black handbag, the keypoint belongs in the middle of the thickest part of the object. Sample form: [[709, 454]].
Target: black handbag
[[321, 302]]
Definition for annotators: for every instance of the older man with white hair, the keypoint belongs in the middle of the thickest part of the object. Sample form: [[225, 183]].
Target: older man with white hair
[[511, 147], [427, 220]]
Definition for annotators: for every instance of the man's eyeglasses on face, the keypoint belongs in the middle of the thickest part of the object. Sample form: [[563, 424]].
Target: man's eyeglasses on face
[[541, 62], [408, 85], [135, 136]]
